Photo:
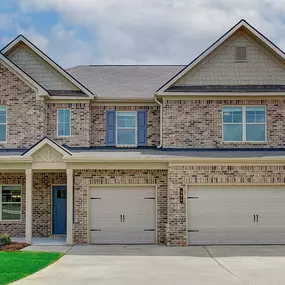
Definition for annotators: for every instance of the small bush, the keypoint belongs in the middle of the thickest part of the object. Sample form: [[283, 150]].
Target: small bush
[[6, 239]]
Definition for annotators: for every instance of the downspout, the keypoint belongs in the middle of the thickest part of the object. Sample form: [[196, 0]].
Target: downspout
[[160, 104]]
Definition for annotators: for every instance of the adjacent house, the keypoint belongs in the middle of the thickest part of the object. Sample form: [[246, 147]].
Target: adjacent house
[[174, 155]]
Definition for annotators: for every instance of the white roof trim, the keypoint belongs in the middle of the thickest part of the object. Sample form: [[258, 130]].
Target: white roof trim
[[240, 24], [20, 73], [44, 142], [63, 72]]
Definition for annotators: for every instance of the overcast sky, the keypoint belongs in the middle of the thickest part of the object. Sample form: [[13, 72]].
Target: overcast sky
[[75, 32]]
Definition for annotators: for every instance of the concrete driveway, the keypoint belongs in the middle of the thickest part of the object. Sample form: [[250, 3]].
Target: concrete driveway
[[140, 265]]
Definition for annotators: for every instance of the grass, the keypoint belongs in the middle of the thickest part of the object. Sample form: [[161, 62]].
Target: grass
[[19, 264]]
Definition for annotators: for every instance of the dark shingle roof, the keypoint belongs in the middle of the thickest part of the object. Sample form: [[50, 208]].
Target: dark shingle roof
[[74, 93], [124, 81], [227, 88]]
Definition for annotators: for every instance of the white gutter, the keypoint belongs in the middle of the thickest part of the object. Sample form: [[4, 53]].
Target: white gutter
[[160, 104]]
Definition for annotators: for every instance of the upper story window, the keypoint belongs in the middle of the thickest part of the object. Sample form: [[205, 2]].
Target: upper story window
[[10, 206], [240, 53], [3, 123], [244, 124], [63, 122], [126, 128]]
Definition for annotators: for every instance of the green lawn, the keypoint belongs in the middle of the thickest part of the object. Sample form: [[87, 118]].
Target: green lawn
[[19, 264]]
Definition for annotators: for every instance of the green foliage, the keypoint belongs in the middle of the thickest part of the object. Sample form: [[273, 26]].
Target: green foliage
[[6, 239]]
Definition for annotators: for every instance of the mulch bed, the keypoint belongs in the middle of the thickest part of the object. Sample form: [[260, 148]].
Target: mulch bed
[[14, 246]]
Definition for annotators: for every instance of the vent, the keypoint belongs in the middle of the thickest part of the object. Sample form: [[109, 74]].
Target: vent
[[241, 53]]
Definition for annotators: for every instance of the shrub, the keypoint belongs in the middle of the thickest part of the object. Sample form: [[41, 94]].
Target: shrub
[[6, 239]]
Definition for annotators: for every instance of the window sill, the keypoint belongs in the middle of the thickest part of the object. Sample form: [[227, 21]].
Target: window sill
[[128, 145], [10, 221], [234, 142]]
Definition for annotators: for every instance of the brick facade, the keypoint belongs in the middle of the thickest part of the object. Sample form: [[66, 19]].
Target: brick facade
[[198, 123], [98, 123], [80, 124], [41, 200], [26, 122], [181, 177], [84, 178], [14, 228]]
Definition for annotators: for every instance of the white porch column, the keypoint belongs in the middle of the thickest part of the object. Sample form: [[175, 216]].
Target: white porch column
[[69, 216], [29, 206]]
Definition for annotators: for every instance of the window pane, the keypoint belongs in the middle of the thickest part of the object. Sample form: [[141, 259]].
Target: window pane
[[255, 132], [232, 132], [2, 133], [3, 114], [67, 116], [61, 116], [11, 194], [126, 119], [232, 114], [66, 129], [255, 114], [61, 129], [11, 211], [126, 137]]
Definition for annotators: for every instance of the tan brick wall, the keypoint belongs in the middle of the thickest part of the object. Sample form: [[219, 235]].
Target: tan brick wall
[[198, 123], [42, 214], [14, 228], [25, 114], [98, 123], [41, 201], [220, 67], [179, 177], [84, 178], [44, 74], [80, 124]]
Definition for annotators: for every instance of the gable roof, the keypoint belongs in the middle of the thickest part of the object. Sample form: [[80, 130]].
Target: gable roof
[[21, 39], [241, 24], [124, 81], [43, 142], [19, 72]]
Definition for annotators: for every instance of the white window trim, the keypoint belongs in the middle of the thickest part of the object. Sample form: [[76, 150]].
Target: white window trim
[[244, 124], [246, 53], [4, 142], [136, 129], [57, 123], [21, 208]]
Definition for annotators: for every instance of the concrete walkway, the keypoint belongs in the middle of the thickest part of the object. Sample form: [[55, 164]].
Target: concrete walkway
[[140, 265]]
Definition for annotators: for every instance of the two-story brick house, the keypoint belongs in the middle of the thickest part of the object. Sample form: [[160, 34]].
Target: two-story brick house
[[170, 155]]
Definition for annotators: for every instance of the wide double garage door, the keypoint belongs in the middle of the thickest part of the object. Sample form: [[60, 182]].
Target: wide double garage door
[[236, 215], [122, 215]]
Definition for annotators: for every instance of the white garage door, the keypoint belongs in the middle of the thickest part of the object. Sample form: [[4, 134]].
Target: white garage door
[[236, 215], [122, 215]]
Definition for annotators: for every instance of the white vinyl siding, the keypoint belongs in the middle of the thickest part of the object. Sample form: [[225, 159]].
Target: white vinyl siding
[[3, 124], [63, 122], [244, 124], [126, 128], [11, 199]]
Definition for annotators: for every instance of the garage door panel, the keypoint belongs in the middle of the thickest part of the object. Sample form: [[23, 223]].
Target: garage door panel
[[228, 215], [120, 215]]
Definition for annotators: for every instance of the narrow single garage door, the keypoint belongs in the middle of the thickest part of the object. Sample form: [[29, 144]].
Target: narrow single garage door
[[122, 215], [236, 215]]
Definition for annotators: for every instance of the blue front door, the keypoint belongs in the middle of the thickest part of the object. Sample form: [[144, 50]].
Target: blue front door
[[59, 210]]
